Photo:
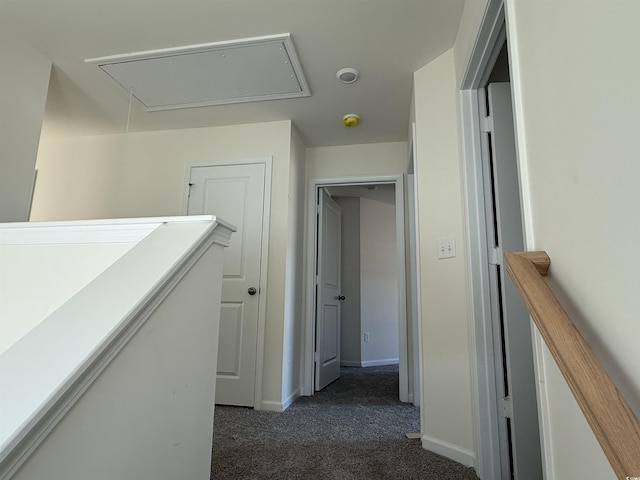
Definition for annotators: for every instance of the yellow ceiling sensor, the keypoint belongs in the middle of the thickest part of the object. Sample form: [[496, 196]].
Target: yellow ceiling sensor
[[350, 120]]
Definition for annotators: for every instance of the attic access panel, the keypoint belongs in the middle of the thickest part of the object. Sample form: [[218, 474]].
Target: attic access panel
[[248, 70]]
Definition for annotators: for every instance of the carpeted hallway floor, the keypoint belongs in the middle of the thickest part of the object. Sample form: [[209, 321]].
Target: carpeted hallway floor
[[354, 429]]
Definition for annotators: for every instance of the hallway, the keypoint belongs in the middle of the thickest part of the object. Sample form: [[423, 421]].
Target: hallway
[[353, 429]]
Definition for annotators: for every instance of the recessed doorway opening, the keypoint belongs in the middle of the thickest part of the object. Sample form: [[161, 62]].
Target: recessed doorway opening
[[366, 344]]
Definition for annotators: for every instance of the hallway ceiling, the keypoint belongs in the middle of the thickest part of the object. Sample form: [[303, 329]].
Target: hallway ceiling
[[386, 40]]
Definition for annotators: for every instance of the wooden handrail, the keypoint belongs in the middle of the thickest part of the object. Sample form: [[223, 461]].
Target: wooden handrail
[[613, 422]]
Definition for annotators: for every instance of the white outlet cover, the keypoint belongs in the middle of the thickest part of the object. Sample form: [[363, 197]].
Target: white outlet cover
[[446, 247]]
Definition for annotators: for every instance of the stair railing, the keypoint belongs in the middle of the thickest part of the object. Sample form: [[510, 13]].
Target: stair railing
[[613, 422]]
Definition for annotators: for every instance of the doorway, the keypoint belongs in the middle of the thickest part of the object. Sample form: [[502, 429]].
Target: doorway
[[239, 192], [507, 435], [369, 314], [367, 184]]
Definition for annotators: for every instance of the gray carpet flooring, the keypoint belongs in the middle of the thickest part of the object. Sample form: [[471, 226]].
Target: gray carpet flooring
[[354, 429]]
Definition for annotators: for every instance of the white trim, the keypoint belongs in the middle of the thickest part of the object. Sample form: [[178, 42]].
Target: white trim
[[264, 259], [283, 39], [371, 363], [271, 406], [88, 231], [539, 345], [544, 416], [519, 124], [379, 363], [402, 293], [484, 52], [307, 387], [185, 49], [264, 265], [350, 363], [449, 450], [414, 210], [481, 337], [290, 399]]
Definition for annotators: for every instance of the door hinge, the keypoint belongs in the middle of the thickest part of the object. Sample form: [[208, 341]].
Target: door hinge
[[316, 357], [506, 407], [495, 256], [486, 124], [190, 185]]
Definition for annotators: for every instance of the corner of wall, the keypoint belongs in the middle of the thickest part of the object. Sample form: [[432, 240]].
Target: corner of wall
[[447, 416], [449, 450], [25, 81], [294, 313]]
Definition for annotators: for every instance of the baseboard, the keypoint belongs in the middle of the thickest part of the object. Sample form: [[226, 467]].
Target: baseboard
[[290, 399], [271, 406], [280, 406], [349, 363], [379, 363], [446, 449]]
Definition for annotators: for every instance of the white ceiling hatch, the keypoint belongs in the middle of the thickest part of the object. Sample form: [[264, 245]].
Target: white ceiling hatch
[[247, 70]]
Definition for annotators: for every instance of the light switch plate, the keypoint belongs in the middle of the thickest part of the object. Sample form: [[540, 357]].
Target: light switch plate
[[446, 247]]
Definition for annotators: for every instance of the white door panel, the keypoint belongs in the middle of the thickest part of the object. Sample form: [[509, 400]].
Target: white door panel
[[330, 342], [235, 193], [328, 294], [231, 315], [228, 197]]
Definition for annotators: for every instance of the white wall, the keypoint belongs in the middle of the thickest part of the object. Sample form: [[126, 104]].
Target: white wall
[[24, 79], [54, 273], [574, 66], [447, 421], [378, 282], [370, 159], [350, 331], [369, 281], [149, 413], [144, 174]]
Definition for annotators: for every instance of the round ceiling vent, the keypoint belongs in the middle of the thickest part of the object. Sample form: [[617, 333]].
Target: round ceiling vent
[[347, 75]]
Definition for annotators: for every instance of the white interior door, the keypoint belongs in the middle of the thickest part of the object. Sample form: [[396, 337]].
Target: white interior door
[[516, 392], [235, 193], [328, 296]]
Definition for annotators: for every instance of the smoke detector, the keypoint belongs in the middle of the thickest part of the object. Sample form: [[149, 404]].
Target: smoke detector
[[348, 75], [350, 120]]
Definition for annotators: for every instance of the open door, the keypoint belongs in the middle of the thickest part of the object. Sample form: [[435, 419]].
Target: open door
[[327, 354], [516, 391]]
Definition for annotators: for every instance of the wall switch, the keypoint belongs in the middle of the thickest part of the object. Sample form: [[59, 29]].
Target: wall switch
[[366, 336], [446, 247]]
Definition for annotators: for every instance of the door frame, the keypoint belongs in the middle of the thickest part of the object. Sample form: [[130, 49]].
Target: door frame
[[491, 35], [308, 337], [264, 256], [414, 289]]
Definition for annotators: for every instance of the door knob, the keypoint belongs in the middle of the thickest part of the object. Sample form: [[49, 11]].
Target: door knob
[[252, 291], [340, 297]]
